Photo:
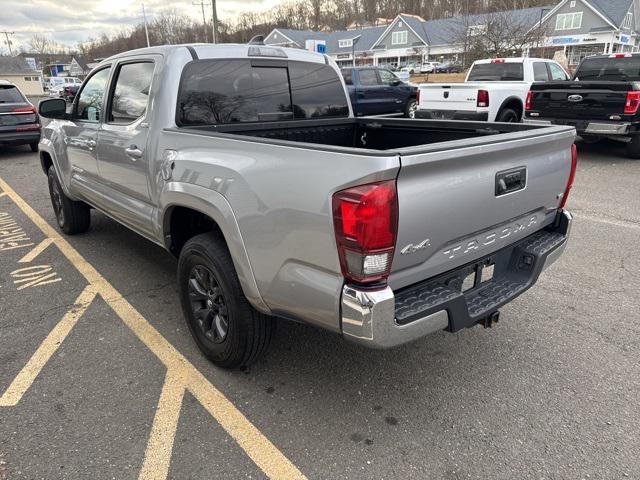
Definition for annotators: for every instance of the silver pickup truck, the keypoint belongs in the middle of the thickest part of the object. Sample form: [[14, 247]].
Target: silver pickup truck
[[246, 163]]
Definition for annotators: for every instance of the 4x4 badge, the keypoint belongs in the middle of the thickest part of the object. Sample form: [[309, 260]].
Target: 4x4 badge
[[411, 248]]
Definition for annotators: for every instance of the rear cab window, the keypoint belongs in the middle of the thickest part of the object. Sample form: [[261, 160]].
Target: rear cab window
[[223, 91], [497, 72], [610, 69]]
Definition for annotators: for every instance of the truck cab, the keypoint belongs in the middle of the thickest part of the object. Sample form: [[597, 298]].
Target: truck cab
[[378, 91]]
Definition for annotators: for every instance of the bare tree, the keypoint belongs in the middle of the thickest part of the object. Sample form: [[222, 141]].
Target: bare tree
[[41, 44]]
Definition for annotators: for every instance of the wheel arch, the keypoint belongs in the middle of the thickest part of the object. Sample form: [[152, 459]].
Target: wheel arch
[[189, 210], [513, 102]]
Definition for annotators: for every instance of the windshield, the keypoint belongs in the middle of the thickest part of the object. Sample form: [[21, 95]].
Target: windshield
[[609, 69], [10, 94], [496, 72]]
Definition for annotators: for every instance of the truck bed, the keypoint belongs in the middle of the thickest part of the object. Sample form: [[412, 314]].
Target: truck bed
[[373, 134]]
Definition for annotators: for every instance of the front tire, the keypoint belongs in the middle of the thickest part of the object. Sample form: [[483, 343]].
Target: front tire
[[224, 325], [73, 217]]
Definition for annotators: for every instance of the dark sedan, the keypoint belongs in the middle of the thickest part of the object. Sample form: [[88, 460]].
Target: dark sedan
[[19, 122]]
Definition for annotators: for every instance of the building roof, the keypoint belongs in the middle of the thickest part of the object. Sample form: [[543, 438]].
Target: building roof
[[445, 31], [15, 66], [614, 10]]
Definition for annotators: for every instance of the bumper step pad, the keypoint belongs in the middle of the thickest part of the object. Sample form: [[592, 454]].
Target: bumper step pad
[[516, 268]]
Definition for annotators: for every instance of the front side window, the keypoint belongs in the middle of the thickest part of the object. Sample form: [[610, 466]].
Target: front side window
[[399, 38], [557, 73], [91, 97], [131, 93], [388, 78], [348, 77], [234, 90], [569, 21]]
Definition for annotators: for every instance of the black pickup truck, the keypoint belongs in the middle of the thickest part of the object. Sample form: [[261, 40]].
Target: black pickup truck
[[600, 101]]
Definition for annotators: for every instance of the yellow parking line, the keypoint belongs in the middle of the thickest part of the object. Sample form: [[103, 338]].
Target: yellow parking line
[[37, 250], [157, 457], [258, 447], [47, 348]]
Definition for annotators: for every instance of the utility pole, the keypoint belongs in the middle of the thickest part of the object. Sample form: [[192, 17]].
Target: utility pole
[[202, 4], [215, 21], [146, 30], [8, 40]]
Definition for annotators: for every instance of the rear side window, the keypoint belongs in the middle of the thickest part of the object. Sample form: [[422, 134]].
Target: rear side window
[[368, 77], [232, 91], [540, 73], [496, 72], [131, 93], [609, 69], [10, 94]]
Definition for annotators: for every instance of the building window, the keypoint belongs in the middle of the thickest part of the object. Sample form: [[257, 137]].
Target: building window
[[628, 19], [347, 43], [399, 38], [572, 4], [569, 21], [475, 30]]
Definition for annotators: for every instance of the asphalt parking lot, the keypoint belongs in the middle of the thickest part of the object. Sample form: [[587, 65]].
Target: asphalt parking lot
[[99, 377]]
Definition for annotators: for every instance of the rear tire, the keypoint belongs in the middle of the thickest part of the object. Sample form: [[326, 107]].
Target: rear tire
[[508, 115], [633, 147], [590, 139], [224, 325], [34, 147], [412, 106], [73, 217]]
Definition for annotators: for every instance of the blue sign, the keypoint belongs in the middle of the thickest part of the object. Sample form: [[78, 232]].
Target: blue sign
[[321, 47], [564, 40]]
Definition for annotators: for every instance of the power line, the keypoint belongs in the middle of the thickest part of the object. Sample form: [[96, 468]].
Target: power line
[[8, 40]]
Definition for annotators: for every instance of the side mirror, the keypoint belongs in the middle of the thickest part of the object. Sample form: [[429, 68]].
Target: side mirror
[[53, 108], [396, 82]]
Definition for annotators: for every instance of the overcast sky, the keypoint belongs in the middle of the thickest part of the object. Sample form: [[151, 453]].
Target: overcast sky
[[71, 21]]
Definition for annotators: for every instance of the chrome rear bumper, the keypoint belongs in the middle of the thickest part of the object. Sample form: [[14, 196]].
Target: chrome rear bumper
[[379, 318]]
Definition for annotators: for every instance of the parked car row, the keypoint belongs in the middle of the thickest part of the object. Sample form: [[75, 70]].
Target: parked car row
[[19, 122]]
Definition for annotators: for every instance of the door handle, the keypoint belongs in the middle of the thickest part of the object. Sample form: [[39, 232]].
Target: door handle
[[91, 144], [133, 152]]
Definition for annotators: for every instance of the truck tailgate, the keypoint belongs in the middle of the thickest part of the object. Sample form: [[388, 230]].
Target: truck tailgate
[[455, 96], [588, 100], [452, 205]]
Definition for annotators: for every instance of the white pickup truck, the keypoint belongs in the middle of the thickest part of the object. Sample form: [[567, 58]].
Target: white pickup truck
[[495, 90]]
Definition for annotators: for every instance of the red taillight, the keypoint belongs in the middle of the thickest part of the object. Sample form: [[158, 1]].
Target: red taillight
[[366, 222], [572, 175], [632, 103], [483, 98], [498, 60], [527, 103], [25, 128], [418, 96], [29, 109]]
